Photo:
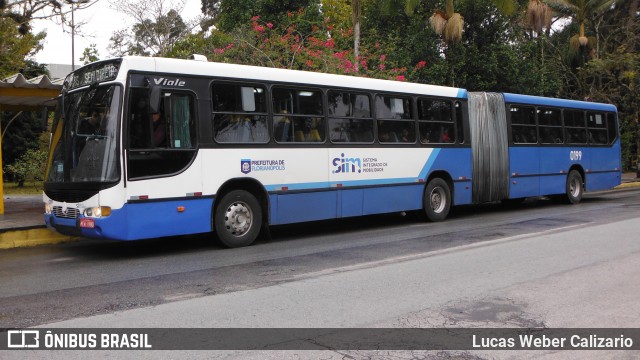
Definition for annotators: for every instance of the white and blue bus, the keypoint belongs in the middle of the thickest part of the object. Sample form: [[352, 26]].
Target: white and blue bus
[[153, 147]]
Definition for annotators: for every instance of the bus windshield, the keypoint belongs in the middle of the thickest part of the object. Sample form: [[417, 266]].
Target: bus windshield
[[84, 139]]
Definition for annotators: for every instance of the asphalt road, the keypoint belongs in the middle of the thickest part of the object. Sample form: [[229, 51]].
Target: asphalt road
[[537, 264]]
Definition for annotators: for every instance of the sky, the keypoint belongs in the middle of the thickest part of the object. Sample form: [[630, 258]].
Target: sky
[[100, 23]]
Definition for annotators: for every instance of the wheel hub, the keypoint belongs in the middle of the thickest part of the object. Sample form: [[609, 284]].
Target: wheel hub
[[574, 188], [238, 219], [437, 200]]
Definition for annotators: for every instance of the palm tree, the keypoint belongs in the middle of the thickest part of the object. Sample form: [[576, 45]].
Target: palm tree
[[581, 11], [538, 16], [355, 6], [448, 23]]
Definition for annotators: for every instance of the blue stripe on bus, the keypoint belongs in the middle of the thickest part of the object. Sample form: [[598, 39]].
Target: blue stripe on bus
[[538, 100], [429, 164], [463, 94]]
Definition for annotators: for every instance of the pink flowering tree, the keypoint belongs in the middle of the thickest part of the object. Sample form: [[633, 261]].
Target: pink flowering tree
[[301, 44]]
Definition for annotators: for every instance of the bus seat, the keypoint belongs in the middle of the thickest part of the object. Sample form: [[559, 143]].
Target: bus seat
[[299, 136], [245, 131], [282, 133], [314, 135]]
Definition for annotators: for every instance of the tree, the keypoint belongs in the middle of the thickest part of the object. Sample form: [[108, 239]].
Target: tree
[[21, 136], [614, 76], [22, 12], [29, 168], [448, 23], [582, 11], [90, 54], [158, 27], [229, 15], [15, 47], [355, 7]]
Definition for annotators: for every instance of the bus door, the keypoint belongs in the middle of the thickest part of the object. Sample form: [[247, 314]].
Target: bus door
[[161, 141]]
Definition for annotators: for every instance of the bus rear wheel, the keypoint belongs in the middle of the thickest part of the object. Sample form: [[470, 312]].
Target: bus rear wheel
[[437, 200], [574, 188], [238, 218]]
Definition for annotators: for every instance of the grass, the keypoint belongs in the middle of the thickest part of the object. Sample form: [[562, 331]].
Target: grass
[[29, 188]]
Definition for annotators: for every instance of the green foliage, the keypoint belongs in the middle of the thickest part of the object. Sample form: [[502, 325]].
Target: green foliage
[[199, 44], [158, 28], [233, 14], [304, 42], [29, 168], [33, 69], [14, 47], [21, 136], [90, 54]]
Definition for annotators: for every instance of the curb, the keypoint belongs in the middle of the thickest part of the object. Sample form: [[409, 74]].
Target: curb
[[633, 184], [31, 237]]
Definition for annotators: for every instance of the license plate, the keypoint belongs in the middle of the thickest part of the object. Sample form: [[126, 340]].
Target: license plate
[[87, 223]]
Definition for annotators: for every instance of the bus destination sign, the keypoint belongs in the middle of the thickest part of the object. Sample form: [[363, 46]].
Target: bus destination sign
[[100, 72]]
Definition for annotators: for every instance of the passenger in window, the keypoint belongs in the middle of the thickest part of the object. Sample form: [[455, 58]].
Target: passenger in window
[[406, 136], [426, 138], [444, 137], [547, 136], [159, 134], [90, 125]]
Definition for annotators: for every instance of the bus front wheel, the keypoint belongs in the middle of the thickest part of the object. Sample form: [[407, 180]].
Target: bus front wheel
[[437, 200], [574, 188], [238, 219]]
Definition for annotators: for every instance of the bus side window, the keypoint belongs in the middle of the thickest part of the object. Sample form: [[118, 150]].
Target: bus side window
[[435, 121], [139, 120], [597, 128], [182, 122], [297, 115], [394, 119], [550, 126], [239, 113], [350, 118], [523, 124], [612, 127], [459, 123]]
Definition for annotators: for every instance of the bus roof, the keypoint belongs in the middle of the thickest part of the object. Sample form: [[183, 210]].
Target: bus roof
[[539, 100], [190, 67]]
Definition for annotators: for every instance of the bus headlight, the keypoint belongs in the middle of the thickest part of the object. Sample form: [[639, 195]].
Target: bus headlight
[[47, 208], [97, 212]]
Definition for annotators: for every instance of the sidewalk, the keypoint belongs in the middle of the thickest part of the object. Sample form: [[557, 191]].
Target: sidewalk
[[23, 221]]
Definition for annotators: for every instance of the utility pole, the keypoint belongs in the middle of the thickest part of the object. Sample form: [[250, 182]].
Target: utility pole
[[73, 30]]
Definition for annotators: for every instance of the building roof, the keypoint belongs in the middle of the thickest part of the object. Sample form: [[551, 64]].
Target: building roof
[[19, 93]]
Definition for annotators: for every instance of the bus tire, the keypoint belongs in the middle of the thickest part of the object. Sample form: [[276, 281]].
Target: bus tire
[[238, 219], [437, 200], [574, 187]]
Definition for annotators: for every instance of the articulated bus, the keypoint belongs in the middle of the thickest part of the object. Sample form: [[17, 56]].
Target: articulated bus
[[153, 147]]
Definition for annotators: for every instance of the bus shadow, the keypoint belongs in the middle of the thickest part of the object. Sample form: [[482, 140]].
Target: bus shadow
[[108, 249]]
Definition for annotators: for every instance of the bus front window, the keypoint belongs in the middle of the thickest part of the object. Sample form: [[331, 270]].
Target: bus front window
[[84, 139]]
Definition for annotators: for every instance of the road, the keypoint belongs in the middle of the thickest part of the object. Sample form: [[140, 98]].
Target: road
[[537, 264]]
